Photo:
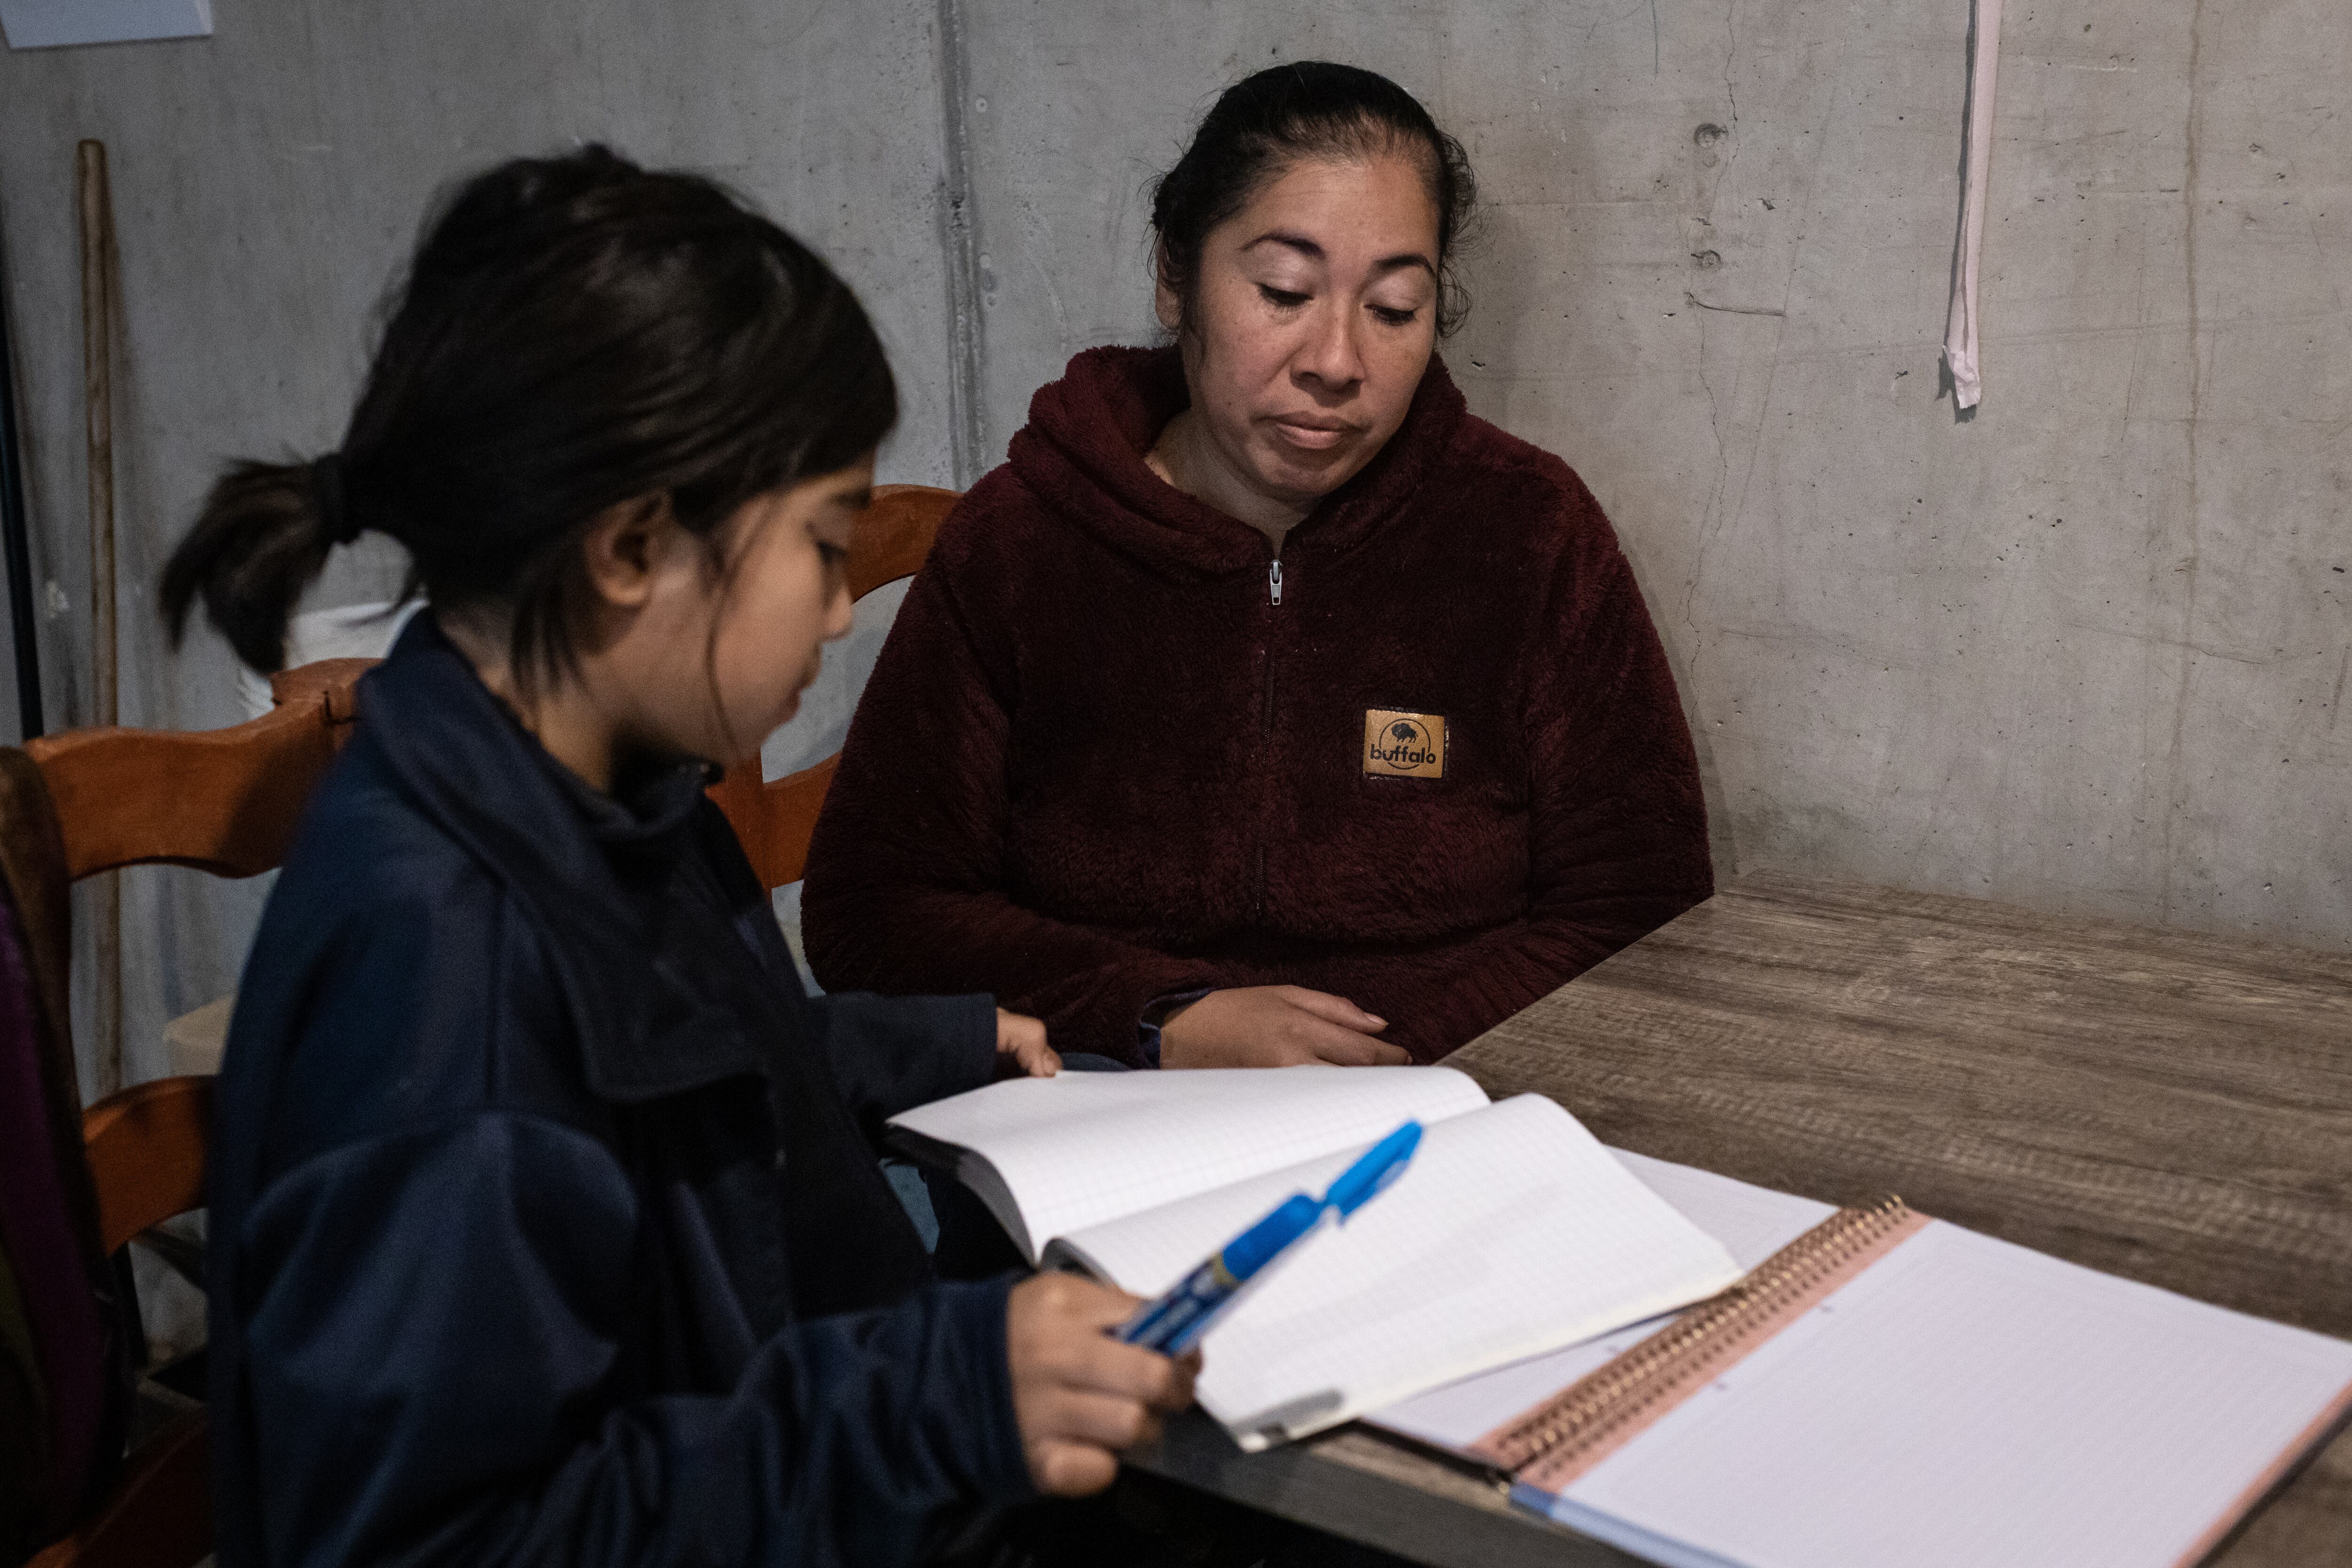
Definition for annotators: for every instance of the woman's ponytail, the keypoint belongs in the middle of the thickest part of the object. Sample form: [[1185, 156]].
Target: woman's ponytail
[[262, 536]]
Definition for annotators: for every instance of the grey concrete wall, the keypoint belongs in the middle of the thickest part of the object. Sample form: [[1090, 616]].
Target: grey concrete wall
[[2084, 652]]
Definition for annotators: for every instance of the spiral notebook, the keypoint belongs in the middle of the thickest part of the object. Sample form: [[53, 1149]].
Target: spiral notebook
[[1889, 1388]]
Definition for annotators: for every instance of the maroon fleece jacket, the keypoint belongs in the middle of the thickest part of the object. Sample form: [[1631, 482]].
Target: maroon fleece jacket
[[1099, 763]]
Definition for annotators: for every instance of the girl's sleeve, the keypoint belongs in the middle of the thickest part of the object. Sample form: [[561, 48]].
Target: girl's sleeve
[[435, 1328], [890, 1054], [1618, 820], [905, 891]]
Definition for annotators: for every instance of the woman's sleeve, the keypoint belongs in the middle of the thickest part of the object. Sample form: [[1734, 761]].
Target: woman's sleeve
[[905, 891], [436, 1325], [1618, 822]]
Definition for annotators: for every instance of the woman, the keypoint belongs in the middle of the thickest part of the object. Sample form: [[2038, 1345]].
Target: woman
[[1266, 707], [545, 1227]]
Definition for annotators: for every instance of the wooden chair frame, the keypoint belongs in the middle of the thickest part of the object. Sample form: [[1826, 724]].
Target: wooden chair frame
[[225, 802]]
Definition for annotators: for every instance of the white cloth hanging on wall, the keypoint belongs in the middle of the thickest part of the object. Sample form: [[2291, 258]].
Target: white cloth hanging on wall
[[1960, 326]]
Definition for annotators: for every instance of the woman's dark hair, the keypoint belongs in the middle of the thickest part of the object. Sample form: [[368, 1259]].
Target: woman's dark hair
[[574, 333], [1264, 124]]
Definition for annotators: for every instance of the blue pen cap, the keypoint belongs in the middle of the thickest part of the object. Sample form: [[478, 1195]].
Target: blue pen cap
[[1255, 1248], [1381, 1165]]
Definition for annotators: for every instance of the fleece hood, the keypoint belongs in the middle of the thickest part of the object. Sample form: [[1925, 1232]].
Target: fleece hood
[[1082, 454]]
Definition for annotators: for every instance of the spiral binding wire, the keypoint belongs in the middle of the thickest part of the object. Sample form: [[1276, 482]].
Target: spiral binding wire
[[1595, 1408]]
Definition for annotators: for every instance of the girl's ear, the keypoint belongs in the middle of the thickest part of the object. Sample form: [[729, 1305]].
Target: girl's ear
[[624, 546]]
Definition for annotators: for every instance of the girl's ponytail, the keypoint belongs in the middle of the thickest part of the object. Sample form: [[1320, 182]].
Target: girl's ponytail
[[262, 536], [573, 334]]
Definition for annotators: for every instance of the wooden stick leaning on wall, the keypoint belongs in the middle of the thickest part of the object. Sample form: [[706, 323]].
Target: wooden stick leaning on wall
[[95, 205]]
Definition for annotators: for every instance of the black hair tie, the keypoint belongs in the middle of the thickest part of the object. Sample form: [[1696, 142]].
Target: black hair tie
[[327, 486]]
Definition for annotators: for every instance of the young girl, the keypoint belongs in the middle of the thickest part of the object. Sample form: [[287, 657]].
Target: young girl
[[545, 1225]]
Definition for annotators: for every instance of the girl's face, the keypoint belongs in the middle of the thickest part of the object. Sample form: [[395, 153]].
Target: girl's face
[[723, 650], [1314, 315]]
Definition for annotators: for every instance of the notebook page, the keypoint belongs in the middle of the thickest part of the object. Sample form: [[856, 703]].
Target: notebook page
[[1512, 1231], [1964, 1402], [1752, 1222], [1081, 1147]]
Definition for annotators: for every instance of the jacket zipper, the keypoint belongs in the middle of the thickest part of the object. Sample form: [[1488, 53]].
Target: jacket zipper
[[1273, 599]]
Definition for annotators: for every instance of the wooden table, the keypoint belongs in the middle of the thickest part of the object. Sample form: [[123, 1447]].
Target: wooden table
[[2170, 1107]]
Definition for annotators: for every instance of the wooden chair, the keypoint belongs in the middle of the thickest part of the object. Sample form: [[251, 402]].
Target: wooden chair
[[774, 817], [225, 802]]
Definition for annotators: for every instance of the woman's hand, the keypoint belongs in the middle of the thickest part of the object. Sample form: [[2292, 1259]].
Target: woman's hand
[[1275, 1026], [1079, 1395], [1021, 1044]]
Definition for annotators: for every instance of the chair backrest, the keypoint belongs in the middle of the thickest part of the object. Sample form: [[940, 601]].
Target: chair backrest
[[223, 800], [774, 817], [226, 801]]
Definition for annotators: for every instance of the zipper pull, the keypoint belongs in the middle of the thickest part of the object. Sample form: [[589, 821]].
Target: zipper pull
[[1274, 580]]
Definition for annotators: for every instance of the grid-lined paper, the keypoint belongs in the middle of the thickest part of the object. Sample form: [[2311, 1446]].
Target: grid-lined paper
[[1966, 1401], [1752, 1222], [1079, 1148], [1512, 1231]]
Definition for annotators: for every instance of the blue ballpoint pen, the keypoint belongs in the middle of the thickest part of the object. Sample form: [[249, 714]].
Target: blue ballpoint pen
[[1174, 1323]]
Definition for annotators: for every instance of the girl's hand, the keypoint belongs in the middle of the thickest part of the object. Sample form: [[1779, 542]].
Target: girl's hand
[[1275, 1026], [1079, 1395], [1021, 1043]]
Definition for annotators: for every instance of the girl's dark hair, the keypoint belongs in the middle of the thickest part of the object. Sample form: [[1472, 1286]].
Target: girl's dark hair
[[574, 333], [1312, 109]]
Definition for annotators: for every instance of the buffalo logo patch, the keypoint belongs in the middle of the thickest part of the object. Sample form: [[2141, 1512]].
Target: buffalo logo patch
[[1399, 745]]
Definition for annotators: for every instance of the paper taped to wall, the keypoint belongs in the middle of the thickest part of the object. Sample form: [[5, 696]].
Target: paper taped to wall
[[52, 24]]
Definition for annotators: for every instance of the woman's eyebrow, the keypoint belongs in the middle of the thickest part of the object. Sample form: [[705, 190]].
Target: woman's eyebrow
[[1389, 263], [1314, 252], [1299, 243]]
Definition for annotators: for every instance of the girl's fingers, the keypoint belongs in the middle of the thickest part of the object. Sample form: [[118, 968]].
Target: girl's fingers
[[1127, 1372], [1070, 1470], [1104, 1420], [1088, 1304], [1023, 1040]]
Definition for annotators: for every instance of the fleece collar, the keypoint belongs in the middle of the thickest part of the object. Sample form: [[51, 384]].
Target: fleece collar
[[591, 871], [1082, 454]]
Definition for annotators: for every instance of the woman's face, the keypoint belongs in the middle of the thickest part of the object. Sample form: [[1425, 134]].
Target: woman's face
[[1314, 315]]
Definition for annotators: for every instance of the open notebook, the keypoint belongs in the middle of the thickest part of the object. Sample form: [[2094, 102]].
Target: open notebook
[[1887, 1389], [1513, 1231]]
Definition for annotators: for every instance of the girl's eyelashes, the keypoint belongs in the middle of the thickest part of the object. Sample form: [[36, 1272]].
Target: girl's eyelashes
[[832, 555], [1394, 317], [1281, 298]]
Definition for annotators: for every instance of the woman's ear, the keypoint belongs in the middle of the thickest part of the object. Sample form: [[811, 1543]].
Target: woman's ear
[[624, 548], [1166, 300]]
